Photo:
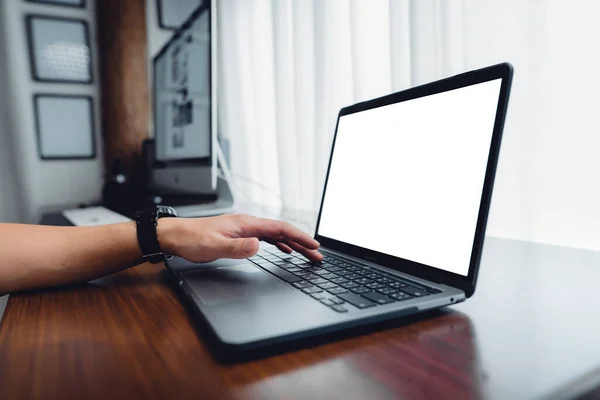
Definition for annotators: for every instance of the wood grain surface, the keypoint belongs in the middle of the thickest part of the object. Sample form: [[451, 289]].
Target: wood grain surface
[[128, 336]]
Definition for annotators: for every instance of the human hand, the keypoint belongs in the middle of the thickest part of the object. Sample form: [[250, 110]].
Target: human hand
[[230, 236]]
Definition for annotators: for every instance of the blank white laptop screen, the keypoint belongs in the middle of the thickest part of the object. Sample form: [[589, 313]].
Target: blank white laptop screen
[[406, 179]]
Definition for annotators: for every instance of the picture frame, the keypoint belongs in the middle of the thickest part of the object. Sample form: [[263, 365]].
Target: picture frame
[[172, 14], [65, 126], [63, 3], [59, 49]]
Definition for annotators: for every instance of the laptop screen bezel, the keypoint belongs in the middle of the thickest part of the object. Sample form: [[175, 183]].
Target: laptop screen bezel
[[467, 283]]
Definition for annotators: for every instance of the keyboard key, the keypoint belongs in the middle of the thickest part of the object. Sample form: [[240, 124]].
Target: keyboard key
[[345, 273], [375, 285], [293, 269], [327, 302], [319, 271], [329, 276], [362, 272], [360, 289], [302, 284], [262, 262], [413, 291], [318, 296], [336, 300], [271, 257], [337, 290], [280, 262], [327, 285], [356, 300], [351, 276], [306, 264], [374, 276], [318, 281], [333, 269], [289, 266], [281, 273], [397, 285], [312, 289], [377, 298], [300, 263], [387, 290], [339, 309], [347, 285], [338, 280], [385, 280], [309, 277], [400, 296], [363, 281], [302, 273]]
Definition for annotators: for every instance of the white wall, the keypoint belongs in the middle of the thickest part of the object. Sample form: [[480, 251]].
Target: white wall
[[45, 185], [156, 39]]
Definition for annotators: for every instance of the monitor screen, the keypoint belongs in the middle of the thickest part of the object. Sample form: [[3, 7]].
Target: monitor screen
[[406, 179], [182, 92]]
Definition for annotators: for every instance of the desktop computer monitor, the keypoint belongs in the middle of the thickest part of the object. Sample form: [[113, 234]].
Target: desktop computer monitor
[[184, 108]]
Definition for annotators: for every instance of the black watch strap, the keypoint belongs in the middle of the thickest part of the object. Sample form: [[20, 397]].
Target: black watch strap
[[147, 220]]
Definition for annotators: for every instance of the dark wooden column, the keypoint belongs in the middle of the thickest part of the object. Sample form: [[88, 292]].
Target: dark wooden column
[[124, 84]]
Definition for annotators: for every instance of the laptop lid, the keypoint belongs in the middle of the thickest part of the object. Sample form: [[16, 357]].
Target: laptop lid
[[410, 176]]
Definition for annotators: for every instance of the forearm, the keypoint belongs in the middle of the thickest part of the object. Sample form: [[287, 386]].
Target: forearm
[[33, 256], [36, 256]]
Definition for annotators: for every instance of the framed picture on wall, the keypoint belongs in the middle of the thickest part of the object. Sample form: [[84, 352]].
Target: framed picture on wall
[[59, 49], [68, 3], [64, 126], [173, 13]]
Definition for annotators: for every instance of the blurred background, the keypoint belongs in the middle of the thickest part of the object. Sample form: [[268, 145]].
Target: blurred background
[[286, 67]]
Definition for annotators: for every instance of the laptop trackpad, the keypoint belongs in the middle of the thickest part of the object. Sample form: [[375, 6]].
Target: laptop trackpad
[[228, 283]]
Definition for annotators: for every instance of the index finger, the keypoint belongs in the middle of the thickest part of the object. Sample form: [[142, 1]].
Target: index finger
[[274, 229]]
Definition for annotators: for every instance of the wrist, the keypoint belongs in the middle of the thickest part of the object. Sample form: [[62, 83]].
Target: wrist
[[167, 232]]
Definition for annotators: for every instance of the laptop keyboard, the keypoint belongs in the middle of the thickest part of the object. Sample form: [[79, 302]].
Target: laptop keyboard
[[335, 282]]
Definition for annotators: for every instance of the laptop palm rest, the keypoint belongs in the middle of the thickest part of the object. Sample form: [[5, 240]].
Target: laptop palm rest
[[228, 283], [244, 304]]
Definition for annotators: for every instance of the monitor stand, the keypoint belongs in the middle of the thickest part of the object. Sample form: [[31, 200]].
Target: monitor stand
[[225, 203]]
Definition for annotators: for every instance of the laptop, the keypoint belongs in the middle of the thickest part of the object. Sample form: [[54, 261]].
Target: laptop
[[401, 222]]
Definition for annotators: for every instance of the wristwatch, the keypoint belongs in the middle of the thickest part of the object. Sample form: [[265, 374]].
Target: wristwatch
[[147, 220]]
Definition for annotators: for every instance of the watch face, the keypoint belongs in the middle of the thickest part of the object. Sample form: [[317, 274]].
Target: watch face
[[166, 211]]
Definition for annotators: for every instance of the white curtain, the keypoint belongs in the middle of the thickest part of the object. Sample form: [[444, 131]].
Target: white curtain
[[288, 66]]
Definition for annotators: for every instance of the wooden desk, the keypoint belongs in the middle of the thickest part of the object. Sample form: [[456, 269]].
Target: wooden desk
[[530, 331]]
